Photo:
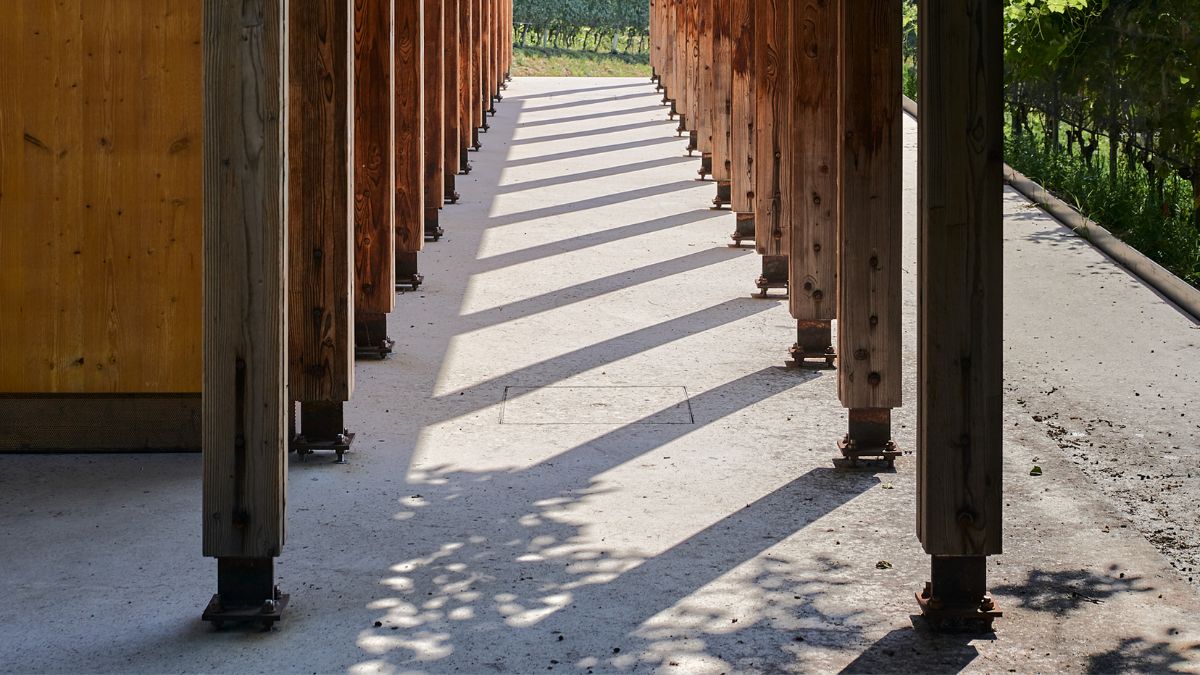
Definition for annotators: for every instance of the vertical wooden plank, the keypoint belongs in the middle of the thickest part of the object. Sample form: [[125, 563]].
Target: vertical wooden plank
[[435, 95], [451, 98], [869, 203], [742, 145], [770, 68], [811, 144], [960, 277], [409, 148], [706, 91], [320, 208], [245, 275], [374, 159], [722, 74], [466, 81], [691, 21], [480, 104], [101, 175]]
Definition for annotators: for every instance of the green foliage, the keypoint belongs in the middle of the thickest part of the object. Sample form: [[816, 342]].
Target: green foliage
[[549, 62], [615, 25]]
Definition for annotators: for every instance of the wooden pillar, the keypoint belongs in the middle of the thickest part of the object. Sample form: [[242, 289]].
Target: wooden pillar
[[245, 321], [487, 27], [722, 101], [811, 177], [321, 220], [741, 144], [468, 138], [374, 175], [656, 36], [960, 304], [677, 19], [409, 149], [869, 204], [771, 68], [706, 92], [452, 135], [435, 106], [691, 76], [479, 98]]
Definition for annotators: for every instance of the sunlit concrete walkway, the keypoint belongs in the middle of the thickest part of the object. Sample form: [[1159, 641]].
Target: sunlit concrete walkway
[[587, 456]]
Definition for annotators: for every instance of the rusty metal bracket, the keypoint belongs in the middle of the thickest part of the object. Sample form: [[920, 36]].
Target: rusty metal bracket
[[406, 271], [246, 593], [370, 336], [705, 165], [774, 276], [693, 142], [814, 345], [322, 428], [956, 598], [724, 195], [869, 438], [433, 229], [682, 129], [743, 229]]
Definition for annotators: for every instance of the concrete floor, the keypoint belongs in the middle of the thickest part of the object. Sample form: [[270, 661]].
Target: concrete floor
[[586, 456]]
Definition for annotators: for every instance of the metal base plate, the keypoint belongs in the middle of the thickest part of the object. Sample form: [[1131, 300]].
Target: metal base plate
[[434, 232], [265, 615], [766, 285], [379, 351], [339, 445], [971, 619], [852, 455], [802, 359]]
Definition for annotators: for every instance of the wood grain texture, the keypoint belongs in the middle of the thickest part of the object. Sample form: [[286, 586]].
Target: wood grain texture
[[691, 21], [320, 201], [810, 179], [245, 277], [466, 79], [451, 99], [722, 74], [742, 120], [707, 95], [479, 106], [374, 157], [869, 204], [770, 69], [960, 279], [435, 104], [409, 149], [100, 196]]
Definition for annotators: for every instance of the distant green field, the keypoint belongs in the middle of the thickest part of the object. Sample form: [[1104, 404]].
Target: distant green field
[[549, 62]]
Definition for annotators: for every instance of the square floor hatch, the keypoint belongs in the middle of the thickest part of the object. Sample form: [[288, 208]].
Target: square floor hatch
[[596, 405]]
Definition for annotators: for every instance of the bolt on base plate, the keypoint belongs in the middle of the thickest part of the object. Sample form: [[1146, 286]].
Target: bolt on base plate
[[246, 593], [814, 345], [705, 165], [370, 336], [724, 195], [869, 439], [956, 597]]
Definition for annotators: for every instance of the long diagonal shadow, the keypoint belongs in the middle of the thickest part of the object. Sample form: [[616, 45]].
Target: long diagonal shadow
[[594, 174], [594, 150], [596, 131], [606, 236], [594, 288], [588, 102], [584, 90], [590, 116], [592, 203]]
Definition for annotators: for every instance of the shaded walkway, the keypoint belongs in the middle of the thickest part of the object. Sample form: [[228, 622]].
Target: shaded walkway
[[582, 280]]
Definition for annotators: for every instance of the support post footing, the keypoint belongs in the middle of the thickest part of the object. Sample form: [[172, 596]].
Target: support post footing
[[869, 439], [246, 593], [370, 336], [814, 345], [956, 599], [322, 428], [705, 165], [724, 195], [407, 276]]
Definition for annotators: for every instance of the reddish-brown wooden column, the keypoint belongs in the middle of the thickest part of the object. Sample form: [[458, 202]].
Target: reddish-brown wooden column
[[435, 105], [741, 144], [409, 149]]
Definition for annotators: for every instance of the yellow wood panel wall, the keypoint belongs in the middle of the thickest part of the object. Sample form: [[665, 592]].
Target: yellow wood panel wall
[[100, 196]]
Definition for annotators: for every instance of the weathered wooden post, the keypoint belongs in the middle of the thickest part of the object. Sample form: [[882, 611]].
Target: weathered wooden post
[[245, 320], [960, 306], [741, 144], [691, 76], [321, 221], [722, 74], [374, 176], [656, 42], [869, 207], [706, 92], [811, 178], [771, 70], [452, 162], [468, 135], [409, 149], [681, 59], [478, 95], [435, 99]]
